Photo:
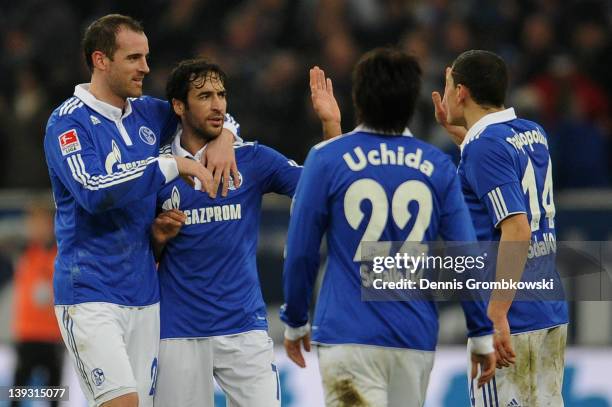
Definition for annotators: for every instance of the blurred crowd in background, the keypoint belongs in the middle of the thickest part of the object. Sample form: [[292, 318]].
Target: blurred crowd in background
[[559, 53]]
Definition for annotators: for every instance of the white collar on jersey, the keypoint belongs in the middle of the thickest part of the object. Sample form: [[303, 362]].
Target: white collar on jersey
[[366, 129], [487, 120], [177, 149], [109, 111]]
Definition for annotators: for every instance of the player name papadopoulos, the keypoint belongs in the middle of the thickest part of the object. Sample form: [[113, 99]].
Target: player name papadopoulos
[[385, 156], [527, 138], [213, 214], [470, 284]]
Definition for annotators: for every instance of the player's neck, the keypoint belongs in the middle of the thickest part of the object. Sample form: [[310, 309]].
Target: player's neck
[[474, 112], [191, 142], [103, 93]]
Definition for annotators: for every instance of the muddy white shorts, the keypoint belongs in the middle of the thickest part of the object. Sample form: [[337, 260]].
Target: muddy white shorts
[[113, 348], [359, 375], [535, 379], [243, 365]]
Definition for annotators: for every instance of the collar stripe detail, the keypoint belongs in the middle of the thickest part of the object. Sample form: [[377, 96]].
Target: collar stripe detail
[[492, 118]]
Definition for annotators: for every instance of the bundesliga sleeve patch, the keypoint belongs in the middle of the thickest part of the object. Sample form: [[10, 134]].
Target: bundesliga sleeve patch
[[69, 142]]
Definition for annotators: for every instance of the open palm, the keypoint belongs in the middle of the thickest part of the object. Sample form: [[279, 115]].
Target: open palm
[[457, 133], [322, 96]]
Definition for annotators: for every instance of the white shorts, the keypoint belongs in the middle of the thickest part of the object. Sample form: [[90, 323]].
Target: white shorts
[[114, 349], [359, 375], [242, 364], [535, 379]]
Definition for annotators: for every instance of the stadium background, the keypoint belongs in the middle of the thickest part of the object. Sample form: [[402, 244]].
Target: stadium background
[[559, 53]]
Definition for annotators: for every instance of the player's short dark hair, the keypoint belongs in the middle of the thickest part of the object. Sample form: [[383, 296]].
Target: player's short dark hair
[[386, 86], [484, 74], [196, 71], [101, 35]]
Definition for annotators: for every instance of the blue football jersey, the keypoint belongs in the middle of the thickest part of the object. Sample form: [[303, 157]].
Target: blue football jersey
[[506, 169], [365, 186], [208, 273], [105, 172]]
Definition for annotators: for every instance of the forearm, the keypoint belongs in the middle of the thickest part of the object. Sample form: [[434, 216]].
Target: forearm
[[98, 193], [511, 259], [299, 275], [158, 249], [331, 129], [298, 285]]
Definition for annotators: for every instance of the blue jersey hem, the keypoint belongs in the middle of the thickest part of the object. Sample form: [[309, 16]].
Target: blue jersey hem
[[107, 301], [210, 335], [537, 328], [332, 343], [328, 341]]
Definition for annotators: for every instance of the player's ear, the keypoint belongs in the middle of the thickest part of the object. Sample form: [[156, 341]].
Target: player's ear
[[462, 93], [178, 106], [99, 60]]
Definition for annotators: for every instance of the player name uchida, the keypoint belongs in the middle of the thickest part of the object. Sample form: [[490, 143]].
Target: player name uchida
[[382, 155], [213, 214]]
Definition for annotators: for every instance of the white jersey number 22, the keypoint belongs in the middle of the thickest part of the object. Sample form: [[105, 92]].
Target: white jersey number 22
[[370, 190]]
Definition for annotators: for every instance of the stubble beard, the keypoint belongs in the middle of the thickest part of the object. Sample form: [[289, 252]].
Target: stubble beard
[[202, 132], [205, 135], [124, 87]]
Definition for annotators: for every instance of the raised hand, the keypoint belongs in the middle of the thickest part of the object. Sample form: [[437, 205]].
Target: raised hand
[[324, 103], [457, 133]]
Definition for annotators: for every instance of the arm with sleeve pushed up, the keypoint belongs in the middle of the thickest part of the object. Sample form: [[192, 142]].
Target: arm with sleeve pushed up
[[456, 226], [494, 176]]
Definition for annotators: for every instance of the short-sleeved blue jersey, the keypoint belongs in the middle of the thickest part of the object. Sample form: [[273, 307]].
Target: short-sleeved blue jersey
[[208, 273], [105, 172], [365, 186], [506, 169]]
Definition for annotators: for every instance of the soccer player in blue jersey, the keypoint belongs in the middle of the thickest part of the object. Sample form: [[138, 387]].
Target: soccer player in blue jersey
[[506, 177], [376, 183], [213, 317], [102, 148]]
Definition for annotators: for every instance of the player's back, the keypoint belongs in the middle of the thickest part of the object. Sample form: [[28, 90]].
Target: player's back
[[530, 147], [381, 188], [520, 149], [506, 169]]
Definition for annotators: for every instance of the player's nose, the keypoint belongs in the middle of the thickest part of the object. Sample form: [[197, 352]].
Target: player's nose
[[144, 66]]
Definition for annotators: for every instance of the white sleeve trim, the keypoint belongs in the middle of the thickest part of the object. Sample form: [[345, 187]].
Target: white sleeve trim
[[481, 345], [232, 125], [506, 217], [296, 333], [168, 167], [97, 182]]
